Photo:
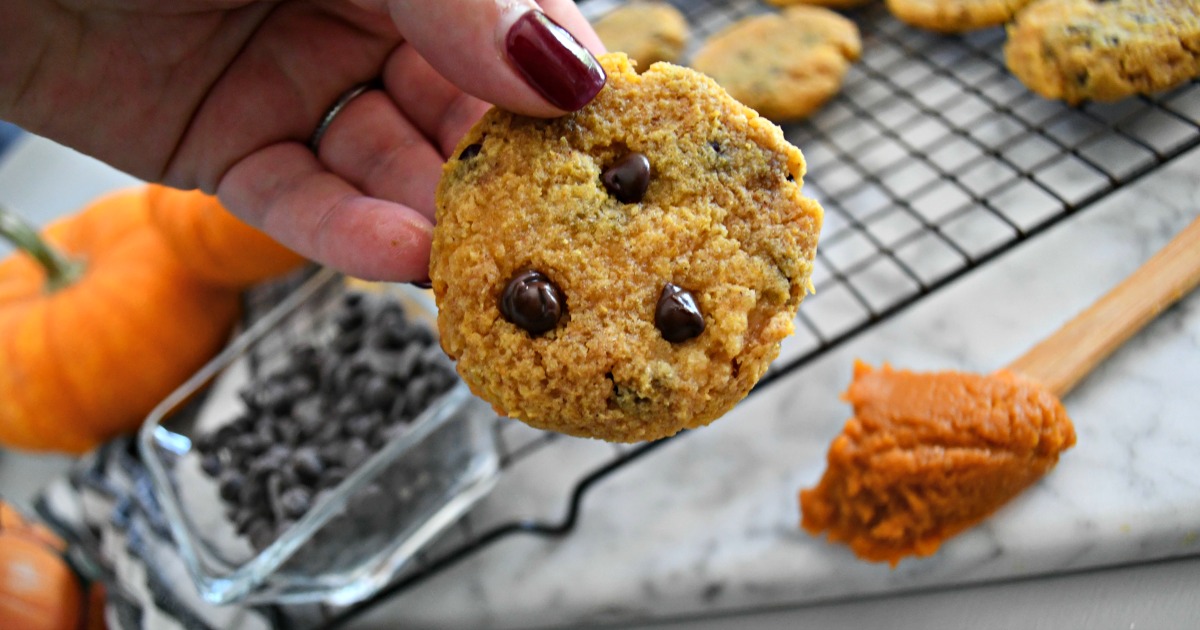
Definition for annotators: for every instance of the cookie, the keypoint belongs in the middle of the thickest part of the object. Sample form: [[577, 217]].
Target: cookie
[[628, 270], [1077, 50], [955, 16], [648, 32], [784, 65], [832, 4]]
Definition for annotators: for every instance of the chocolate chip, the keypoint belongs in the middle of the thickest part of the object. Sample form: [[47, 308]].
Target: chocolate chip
[[261, 533], [533, 302], [362, 426], [377, 392], [354, 452], [211, 464], [295, 501], [230, 485], [349, 320], [678, 316], [308, 464], [470, 151], [628, 178]]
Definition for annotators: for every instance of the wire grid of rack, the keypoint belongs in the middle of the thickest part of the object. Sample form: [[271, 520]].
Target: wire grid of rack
[[931, 161]]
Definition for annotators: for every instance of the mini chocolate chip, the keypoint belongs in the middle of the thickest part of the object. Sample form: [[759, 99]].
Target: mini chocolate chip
[[261, 533], [251, 494], [533, 302], [421, 335], [470, 151], [377, 392], [628, 178], [362, 426], [308, 464], [348, 342], [716, 146], [295, 501], [678, 316], [331, 478], [250, 444], [354, 452], [231, 485], [211, 464], [790, 178], [349, 320]]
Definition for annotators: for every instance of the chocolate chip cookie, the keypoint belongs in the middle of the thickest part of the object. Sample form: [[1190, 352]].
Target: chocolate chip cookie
[[1077, 50], [648, 32], [784, 65], [832, 4], [628, 270], [955, 16]]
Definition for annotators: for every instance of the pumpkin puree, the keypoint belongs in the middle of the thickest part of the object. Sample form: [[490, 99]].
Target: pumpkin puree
[[928, 455]]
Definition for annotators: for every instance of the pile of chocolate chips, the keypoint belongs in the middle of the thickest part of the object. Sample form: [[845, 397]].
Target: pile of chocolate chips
[[323, 412]]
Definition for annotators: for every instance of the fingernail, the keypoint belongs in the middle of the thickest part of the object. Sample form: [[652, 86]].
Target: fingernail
[[553, 62], [422, 284]]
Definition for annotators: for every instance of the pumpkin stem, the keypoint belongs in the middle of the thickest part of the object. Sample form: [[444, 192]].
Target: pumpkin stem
[[60, 269]]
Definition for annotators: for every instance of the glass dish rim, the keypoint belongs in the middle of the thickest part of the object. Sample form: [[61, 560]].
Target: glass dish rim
[[240, 581]]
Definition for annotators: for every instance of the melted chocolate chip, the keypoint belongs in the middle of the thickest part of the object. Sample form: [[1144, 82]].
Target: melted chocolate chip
[[471, 151], [532, 302], [628, 178], [678, 316]]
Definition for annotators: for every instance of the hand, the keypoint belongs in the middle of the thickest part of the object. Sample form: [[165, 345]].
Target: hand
[[224, 95]]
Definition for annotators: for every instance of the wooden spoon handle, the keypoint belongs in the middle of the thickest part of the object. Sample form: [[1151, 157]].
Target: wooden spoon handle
[[1065, 357]]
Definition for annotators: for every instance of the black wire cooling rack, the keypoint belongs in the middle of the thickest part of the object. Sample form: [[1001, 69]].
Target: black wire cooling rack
[[931, 161]]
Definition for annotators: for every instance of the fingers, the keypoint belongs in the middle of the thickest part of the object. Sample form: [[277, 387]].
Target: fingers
[[284, 191], [378, 151], [442, 111], [507, 52]]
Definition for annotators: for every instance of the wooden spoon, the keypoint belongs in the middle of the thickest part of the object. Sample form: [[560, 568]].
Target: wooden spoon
[[1061, 360]]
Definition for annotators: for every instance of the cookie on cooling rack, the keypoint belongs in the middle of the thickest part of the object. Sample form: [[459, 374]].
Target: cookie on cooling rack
[[1077, 50], [648, 32], [832, 4], [784, 65], [628, 270], [955, 16]]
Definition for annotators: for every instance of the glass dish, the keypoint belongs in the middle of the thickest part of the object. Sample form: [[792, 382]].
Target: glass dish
[[358, 533]]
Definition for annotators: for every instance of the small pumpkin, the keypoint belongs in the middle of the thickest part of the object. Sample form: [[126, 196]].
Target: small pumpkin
[[213, 243], [38, 589], [99, 320]]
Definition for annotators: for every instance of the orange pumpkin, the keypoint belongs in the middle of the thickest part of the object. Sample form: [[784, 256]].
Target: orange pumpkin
[[97, 324], [213, 243], [38, 590]]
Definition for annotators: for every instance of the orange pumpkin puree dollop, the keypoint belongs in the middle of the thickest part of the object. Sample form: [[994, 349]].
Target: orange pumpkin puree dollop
[[928, 455]]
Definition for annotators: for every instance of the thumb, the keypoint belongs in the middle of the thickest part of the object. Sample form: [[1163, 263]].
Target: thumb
[[517, 54]]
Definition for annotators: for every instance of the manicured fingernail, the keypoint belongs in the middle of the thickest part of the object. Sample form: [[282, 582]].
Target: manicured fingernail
[[553, 62]]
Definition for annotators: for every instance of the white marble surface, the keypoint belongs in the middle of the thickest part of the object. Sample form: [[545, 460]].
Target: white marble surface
[[708, 523]]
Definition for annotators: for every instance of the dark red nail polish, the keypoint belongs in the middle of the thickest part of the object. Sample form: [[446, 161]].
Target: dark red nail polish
[[553, 62], [422, 284]]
